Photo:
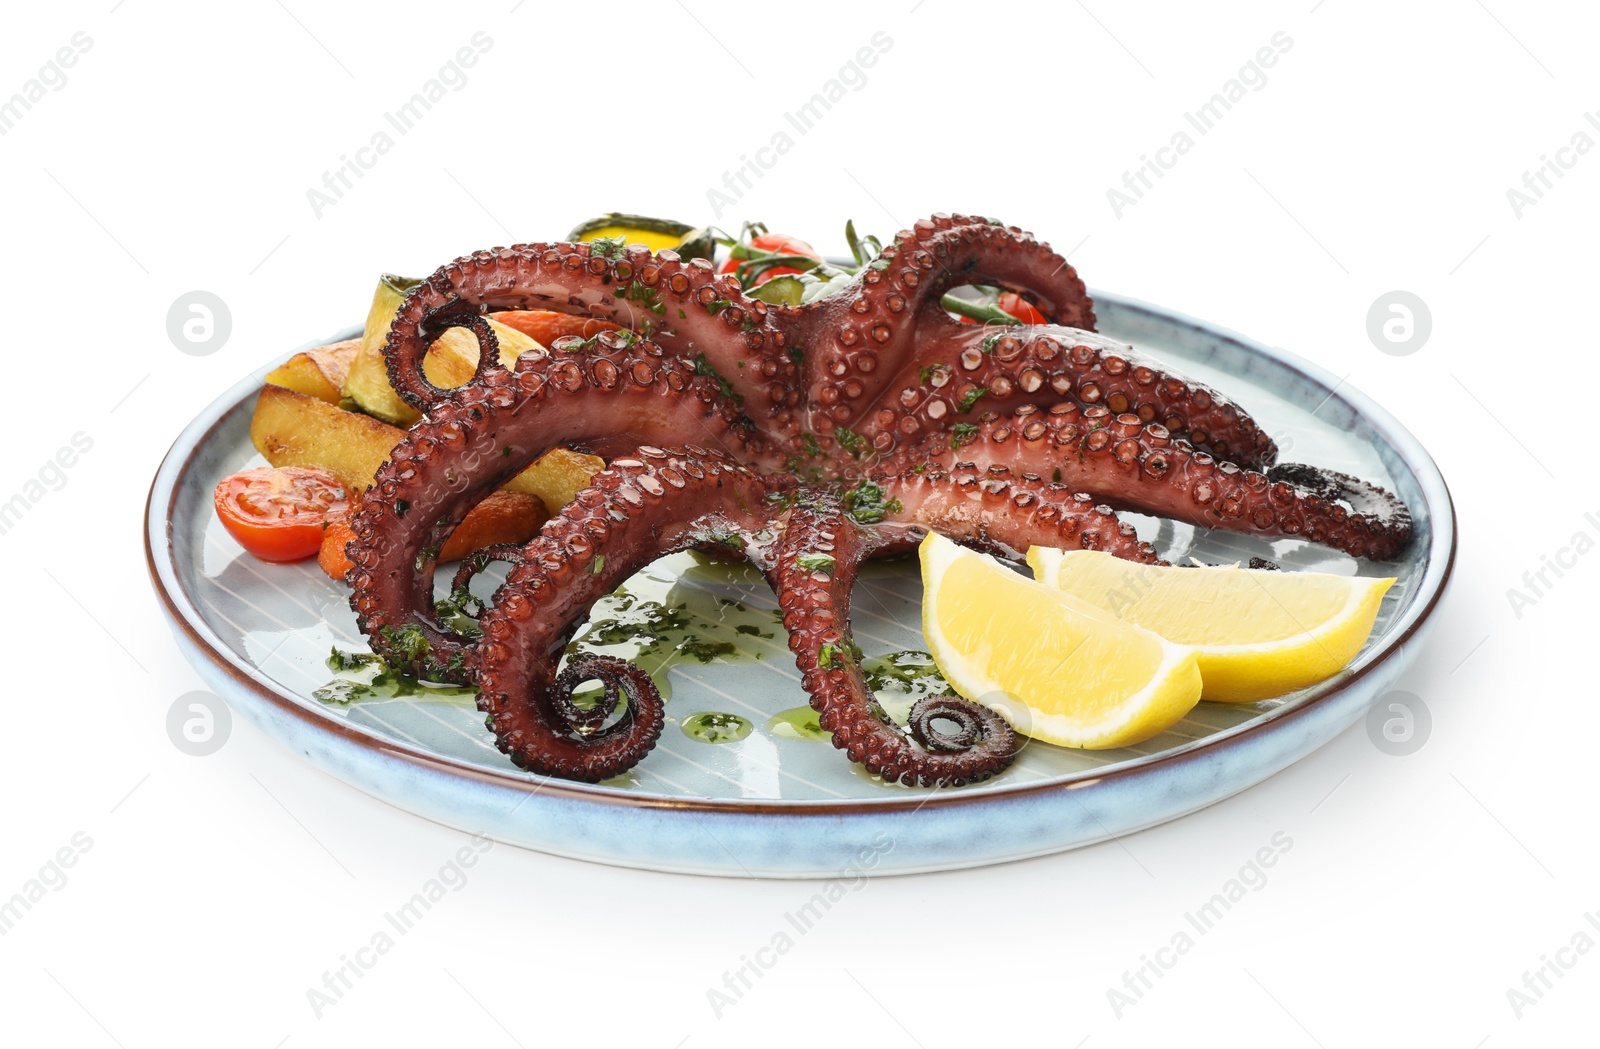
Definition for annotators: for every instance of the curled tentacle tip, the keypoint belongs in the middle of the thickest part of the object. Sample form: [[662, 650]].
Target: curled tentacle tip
[[619, 681], [973, 723], [1324, 484]]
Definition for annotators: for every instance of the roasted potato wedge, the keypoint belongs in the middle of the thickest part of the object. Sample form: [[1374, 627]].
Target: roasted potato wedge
[[291, 428], [557, 476], [318, 373], [295, 429]]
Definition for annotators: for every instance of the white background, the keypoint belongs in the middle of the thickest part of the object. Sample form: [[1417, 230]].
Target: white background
[[1376, 157]]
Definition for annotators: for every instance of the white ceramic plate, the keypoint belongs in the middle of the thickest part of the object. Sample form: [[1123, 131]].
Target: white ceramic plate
[[773, 804]]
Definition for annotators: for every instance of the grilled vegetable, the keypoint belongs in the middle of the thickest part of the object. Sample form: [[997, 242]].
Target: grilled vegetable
[[318, 373], [278, 514], [504, 517], [655, 234], [294, 429]]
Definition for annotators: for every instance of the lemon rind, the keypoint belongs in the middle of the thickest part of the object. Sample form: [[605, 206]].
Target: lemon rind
[[1297, 661]]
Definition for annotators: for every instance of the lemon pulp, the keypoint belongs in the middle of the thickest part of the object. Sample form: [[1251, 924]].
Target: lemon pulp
[[1258, 634]]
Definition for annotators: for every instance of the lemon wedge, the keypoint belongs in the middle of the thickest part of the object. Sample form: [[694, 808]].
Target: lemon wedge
[[1061, 669], [1259, 634]]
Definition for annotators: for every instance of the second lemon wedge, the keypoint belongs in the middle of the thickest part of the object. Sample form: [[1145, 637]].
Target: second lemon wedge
[[1063, 670], [1259, 634]]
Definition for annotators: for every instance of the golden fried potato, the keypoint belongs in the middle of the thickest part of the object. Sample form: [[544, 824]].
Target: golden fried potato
[[557, 476], [318, 373], [296, 429]]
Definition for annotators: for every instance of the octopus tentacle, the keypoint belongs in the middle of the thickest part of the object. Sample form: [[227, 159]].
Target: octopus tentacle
[[1002, 511], [930, 710], [859, 342], [1001, 369], [640, 508], [471, 567], [1136, 466], [1365, 498], [619, 681], [685, 307], [488, 431], [815, 603]]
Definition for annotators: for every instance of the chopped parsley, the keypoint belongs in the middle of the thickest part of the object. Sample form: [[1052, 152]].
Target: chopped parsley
[[851, 441], [816, 562], [653, 628], [703, 367], [969, 399], [835, 655], [962, 433], [644, 295], [865, 503], [452, 614], [376, 678], [723, 537], [705, 651], [607, 247], [629, 339], [910, 673], [339, 661], [342, 692], [408, 641]]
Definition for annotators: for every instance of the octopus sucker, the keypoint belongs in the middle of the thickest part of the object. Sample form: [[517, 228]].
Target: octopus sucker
[[804, 440]]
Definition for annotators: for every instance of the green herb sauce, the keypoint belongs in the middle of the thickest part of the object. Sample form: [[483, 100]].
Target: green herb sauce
[[670, 615], [365, 676], [798, 723], [899, 679], [715, 727]]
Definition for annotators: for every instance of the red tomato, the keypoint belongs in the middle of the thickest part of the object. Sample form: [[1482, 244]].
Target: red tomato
[[1018, 307], [780, 243], [278, 513]]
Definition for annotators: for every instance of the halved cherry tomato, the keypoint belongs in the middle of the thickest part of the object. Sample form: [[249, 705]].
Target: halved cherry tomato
[[780, 244], [1018, 307], [278, 513]]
